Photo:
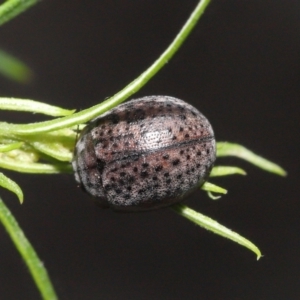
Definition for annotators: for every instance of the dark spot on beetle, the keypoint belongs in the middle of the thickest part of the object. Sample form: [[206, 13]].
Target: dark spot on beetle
[[180, 129], [127, 128], [166, 156], [107, 187], [145, 165], [129, 188], [121, 181], [166, 174], [126, 196], [123, 166], [194, 114], [135, 169], [158, 168], [100, 164], [181, 107], [187, 135], [193, 170], [199, 153], [131, 179], [113, 179], [198, 166], [175, 162], [101, 133], [174, 137], [144, 174], [188, 157], [137, 115], [114, 170], [168, 181], [188, 172], [141, 191], [169, 130], [122, 174], [179, 176], [156, 186], [115, 145], [181, 152], [182, 117], [103, 126], [115, 119], [190, 128], [154, 178], [207, 151], [109, 131], [126, 144], [111, 138], [118, 191], [142, 125]]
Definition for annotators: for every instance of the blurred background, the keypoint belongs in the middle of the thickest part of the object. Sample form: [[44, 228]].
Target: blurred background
[[241, 68]]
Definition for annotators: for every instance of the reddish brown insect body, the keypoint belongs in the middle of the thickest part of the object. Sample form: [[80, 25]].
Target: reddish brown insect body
[[145, 154]]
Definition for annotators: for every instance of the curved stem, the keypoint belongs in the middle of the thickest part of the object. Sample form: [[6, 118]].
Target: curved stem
[[133, 87], [214, 226], [29, 255], [11, 8]]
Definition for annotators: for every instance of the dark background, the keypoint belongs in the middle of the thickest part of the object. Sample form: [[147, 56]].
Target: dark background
[[241, 68]]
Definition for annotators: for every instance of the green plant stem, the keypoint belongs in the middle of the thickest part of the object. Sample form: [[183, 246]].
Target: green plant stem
[[214, 226], [14, 69], [12, 8], [133, 87], [231, 149], [35, 265], [27, 105]]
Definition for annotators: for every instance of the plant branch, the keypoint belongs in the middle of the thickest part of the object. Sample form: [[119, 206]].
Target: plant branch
[[12, 8], [90, 113], [35, 265]]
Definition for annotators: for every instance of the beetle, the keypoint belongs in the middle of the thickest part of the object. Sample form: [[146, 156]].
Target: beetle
[[145, 154]]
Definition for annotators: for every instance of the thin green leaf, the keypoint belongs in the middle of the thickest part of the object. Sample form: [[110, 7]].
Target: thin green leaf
[[11, 8], [214, 226], [30, 257], [55, 150], [20, 156], [58, 144], [90, 113], [10, 147], [226, 170], [210, 187], [14, 69], [34, 168], [9, 184], [230, 149], [33, 106], [213, 197]]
